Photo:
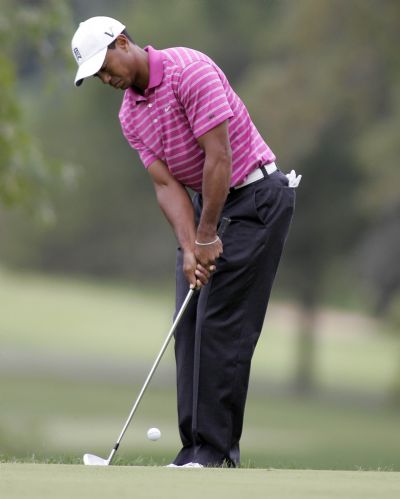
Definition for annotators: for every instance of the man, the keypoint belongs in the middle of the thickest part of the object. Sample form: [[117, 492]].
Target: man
[[192, 131]]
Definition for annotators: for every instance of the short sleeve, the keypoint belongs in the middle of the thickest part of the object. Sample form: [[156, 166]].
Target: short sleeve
[[203, 96]]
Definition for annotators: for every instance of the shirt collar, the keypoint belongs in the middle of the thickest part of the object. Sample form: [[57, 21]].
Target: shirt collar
[[156, 67], [156, 73]]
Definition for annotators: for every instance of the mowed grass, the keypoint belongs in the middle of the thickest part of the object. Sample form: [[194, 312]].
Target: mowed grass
[[44, 420], [18, 481], [74, 354], [78, 317], [95, 320]]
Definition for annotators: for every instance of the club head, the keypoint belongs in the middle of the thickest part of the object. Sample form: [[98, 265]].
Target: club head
[[92, 460]]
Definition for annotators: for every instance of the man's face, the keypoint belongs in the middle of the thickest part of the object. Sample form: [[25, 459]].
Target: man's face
[[117, 68]]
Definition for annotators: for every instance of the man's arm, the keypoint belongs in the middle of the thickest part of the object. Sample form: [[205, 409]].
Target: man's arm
[[177, 206], [216, 182]]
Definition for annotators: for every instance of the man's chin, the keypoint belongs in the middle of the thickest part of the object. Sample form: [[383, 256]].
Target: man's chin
[[123, 86]]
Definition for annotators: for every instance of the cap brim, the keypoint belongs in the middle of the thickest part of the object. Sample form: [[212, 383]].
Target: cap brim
[[90, 67]]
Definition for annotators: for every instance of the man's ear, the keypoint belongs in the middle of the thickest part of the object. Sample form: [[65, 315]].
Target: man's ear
[[122, 42]]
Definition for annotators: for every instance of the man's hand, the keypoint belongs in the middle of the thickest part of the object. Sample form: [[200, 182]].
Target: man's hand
[[207, 254], [196, 274]]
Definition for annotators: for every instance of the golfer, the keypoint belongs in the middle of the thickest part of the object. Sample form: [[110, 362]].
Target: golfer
[[192, 131]]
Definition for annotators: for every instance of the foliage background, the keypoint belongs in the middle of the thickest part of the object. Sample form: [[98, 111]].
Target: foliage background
[[321, 81]]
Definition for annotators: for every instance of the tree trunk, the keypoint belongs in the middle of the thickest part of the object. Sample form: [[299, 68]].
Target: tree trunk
[[305, 369]]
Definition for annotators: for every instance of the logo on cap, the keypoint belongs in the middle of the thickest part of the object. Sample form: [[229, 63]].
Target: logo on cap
[[111, 33], [77, 54]]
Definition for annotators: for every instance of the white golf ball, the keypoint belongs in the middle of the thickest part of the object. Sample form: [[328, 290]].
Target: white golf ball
[[153, 434]]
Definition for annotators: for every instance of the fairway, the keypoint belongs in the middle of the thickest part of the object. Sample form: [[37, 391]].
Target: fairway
[[73, 362], [39, 481]]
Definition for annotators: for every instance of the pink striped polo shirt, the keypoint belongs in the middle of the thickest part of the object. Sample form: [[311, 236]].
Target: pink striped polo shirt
[[188, 95]]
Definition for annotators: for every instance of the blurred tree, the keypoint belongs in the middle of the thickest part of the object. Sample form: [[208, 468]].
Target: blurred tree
[[31, 34], [330, 80], [320, 79], [378, 253], [100, 228], [379, 150]]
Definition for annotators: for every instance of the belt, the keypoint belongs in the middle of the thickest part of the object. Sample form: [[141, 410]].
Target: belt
[[257, 174]]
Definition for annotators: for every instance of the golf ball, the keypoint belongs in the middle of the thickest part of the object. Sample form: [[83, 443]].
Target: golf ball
[[153, 434]]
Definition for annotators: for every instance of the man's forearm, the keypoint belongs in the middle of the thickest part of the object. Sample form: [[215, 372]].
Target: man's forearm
[[177, 206], [216, 181]]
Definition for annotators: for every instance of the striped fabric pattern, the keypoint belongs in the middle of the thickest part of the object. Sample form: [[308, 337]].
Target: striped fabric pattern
[[188, 95]]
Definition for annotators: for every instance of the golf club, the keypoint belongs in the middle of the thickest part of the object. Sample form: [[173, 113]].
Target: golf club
[[91, 459]]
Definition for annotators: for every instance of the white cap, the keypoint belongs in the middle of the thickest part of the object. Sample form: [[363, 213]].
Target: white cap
[[90, 42]]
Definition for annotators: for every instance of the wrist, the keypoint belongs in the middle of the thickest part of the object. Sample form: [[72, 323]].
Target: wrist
[[187, 243], [206, 243], [188, 249], [206, 233]]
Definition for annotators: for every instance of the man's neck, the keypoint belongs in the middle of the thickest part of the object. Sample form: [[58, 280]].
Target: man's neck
[[143, 75]]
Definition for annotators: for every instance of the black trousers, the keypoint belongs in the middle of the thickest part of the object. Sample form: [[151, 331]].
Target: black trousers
[[216, 338]]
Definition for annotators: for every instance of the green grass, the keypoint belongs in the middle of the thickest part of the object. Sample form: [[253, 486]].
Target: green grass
[[94, 320], [63, 340], [85, 317], [19, 481], [56, 420]]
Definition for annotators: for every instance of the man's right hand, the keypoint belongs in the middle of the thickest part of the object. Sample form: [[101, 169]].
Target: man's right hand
[[195, 273]]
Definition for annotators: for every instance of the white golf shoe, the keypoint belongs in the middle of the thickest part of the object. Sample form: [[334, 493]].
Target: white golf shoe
[[187, 465]]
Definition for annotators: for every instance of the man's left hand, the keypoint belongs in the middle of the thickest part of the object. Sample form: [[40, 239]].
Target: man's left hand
[[207, 255]]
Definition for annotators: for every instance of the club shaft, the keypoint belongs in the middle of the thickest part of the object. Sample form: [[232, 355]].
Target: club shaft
[[222, 227], [150, 375]]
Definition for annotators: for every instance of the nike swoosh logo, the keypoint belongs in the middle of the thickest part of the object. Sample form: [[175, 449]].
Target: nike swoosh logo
[[109, 34]]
